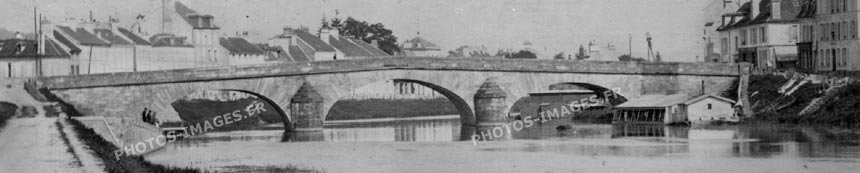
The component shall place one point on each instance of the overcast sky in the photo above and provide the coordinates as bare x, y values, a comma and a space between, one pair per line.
558, 25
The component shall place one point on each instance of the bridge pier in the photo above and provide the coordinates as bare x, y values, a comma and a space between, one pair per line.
306, 108
490, 108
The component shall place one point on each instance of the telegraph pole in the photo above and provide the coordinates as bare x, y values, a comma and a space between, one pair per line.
630, 45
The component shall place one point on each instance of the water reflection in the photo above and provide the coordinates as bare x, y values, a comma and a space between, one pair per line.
765, 141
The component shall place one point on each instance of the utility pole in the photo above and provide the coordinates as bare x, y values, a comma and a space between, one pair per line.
630, 45
650, 51
37, 39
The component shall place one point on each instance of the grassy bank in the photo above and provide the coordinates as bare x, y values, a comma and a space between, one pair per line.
378, 108
104, 150
842, 110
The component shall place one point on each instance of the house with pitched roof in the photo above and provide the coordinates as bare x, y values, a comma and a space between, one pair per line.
675, 108
197, 29
421, 47
764, 33
21, 58
300, 45
241, 52
95, 46
349, 48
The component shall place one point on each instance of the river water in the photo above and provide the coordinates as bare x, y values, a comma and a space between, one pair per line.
435, 144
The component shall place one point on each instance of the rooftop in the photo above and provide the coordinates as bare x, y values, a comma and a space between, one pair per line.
419, 43
237, 45
16, 48
315, 42
655, 101
83, 36
134, 38
188, 14
112, 38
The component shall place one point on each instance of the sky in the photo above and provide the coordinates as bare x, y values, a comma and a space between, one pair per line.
551, 25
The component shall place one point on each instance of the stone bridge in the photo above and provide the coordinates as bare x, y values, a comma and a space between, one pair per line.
482, 89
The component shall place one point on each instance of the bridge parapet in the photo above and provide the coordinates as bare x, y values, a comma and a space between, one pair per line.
391, 63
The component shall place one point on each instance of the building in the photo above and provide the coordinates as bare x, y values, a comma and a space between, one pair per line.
196, 28
806, 52
94, 47
349, 48
675, 108
597, 51
241, 52
301, 45
707, 108
835, 37
762, 32
652, 109
22, 58
421, 47
713, 17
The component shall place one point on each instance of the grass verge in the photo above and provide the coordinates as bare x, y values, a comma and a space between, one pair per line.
69, 148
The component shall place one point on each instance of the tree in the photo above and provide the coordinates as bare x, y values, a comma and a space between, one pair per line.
658, 58
581, 54
523, 54
560, 55
366, 32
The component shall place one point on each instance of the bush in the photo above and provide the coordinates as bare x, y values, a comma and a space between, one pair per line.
7, 111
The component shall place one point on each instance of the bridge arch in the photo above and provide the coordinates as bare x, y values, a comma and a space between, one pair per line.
463, 107
269, 103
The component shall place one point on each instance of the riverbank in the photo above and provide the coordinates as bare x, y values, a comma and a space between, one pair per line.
839, 106
379, 108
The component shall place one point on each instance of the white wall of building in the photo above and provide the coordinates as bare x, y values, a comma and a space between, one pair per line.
56, 66
165, 58
17, 67
700, 111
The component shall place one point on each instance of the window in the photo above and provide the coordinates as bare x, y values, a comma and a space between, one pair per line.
710, 106
753, 36
832, 31
764, 35
844, 57
821, 32
744, 37
820, 62
853, 29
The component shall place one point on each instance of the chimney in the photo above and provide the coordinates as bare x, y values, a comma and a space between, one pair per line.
290, 35
775, 9
324, 35
755, 8
207, 21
